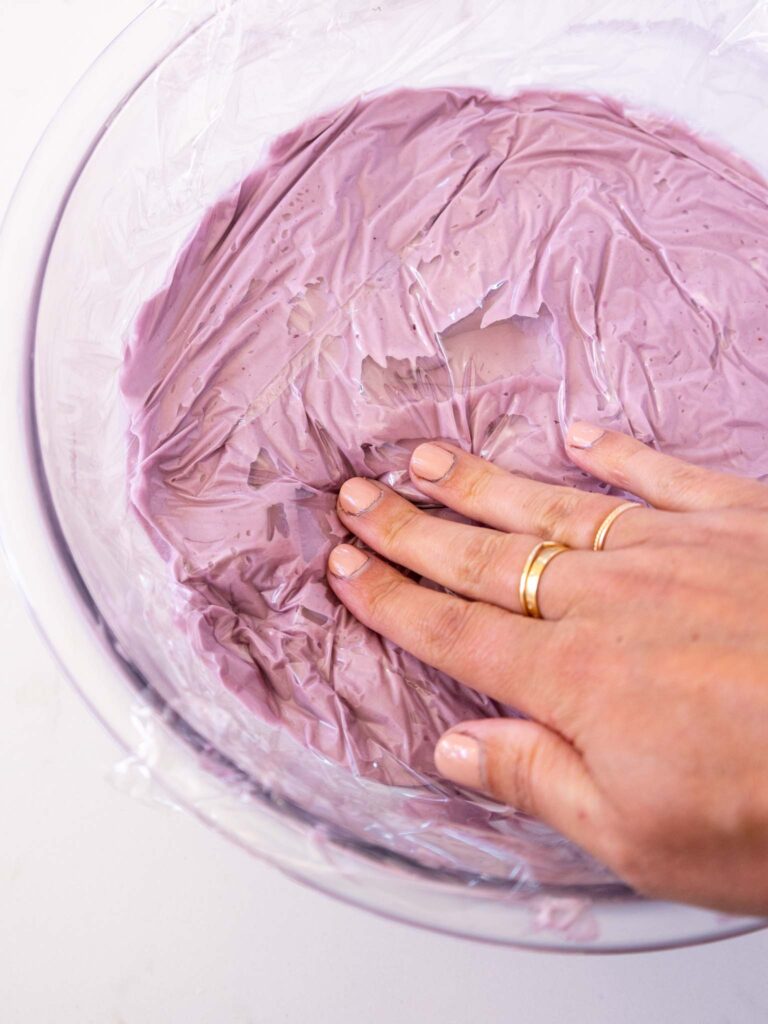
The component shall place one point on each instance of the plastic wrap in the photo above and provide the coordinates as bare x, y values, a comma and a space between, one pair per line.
196, 125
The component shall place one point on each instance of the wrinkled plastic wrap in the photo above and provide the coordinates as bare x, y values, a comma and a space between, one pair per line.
169, 171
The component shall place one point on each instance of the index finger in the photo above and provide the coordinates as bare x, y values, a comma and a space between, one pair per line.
511, 659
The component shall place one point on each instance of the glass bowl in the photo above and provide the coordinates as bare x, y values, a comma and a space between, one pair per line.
179, 109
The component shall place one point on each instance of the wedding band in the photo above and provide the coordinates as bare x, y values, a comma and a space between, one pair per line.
535, 565
610, 519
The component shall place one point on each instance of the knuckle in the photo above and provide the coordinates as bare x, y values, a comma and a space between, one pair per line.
682, 483
446, 629
514, 778
626, 461
482, 554
383, 596
394, 530
472, 484
549, 514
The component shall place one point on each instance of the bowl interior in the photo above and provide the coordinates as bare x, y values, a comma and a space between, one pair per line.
193, 124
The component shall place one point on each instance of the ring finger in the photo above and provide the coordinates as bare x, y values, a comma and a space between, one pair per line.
473, 561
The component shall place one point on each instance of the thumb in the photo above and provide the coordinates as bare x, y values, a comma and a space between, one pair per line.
526, 765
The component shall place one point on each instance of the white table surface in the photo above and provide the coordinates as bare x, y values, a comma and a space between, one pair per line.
115, 911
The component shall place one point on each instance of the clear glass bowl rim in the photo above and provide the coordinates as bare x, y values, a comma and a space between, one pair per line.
69, 621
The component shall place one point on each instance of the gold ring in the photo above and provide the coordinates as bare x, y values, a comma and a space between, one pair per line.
610, 519
534, 568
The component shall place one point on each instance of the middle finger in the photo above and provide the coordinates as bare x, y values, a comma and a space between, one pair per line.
473, 561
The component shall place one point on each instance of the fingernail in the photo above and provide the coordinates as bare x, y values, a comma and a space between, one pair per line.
459, 757
358, 496
431, 462
346, 561
584, 435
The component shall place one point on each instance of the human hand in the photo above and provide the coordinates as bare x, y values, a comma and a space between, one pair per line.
646, 682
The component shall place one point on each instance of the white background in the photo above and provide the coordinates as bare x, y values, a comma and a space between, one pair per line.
114, 911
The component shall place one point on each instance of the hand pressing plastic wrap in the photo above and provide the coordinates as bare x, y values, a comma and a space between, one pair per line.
350, 228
